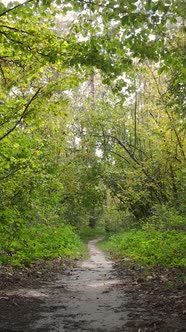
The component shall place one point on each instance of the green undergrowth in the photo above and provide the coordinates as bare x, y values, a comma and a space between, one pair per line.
149, 246
88, 233
44, 242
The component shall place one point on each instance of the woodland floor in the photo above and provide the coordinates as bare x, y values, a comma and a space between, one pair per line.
94, 295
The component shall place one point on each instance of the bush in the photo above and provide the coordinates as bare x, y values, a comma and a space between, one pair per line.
29, 244
165, 218
152, 247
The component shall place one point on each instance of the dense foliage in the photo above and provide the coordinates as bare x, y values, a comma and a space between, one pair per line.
92, 126
159, 242
37, 243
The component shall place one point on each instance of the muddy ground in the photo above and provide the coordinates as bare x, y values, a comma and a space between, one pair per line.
94, 295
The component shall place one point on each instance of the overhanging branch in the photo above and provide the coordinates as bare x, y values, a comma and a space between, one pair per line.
15, 7
22, 115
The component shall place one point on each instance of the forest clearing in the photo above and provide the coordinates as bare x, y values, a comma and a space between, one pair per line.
92, 144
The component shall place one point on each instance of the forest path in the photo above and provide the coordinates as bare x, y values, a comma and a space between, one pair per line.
91, 297
86, 298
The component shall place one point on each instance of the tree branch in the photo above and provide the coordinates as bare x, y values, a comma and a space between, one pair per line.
15, 29
3, 74
122, 157
148, 176
11, 39
89, 2
125, 148
22, 115
15, 7
168, 114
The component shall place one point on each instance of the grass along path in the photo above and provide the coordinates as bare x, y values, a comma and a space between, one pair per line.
92, 296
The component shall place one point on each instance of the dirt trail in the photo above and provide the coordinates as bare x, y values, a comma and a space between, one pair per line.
91, 297
85, 299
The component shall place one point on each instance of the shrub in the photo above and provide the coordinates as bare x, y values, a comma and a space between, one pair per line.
29, 244
152, 247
